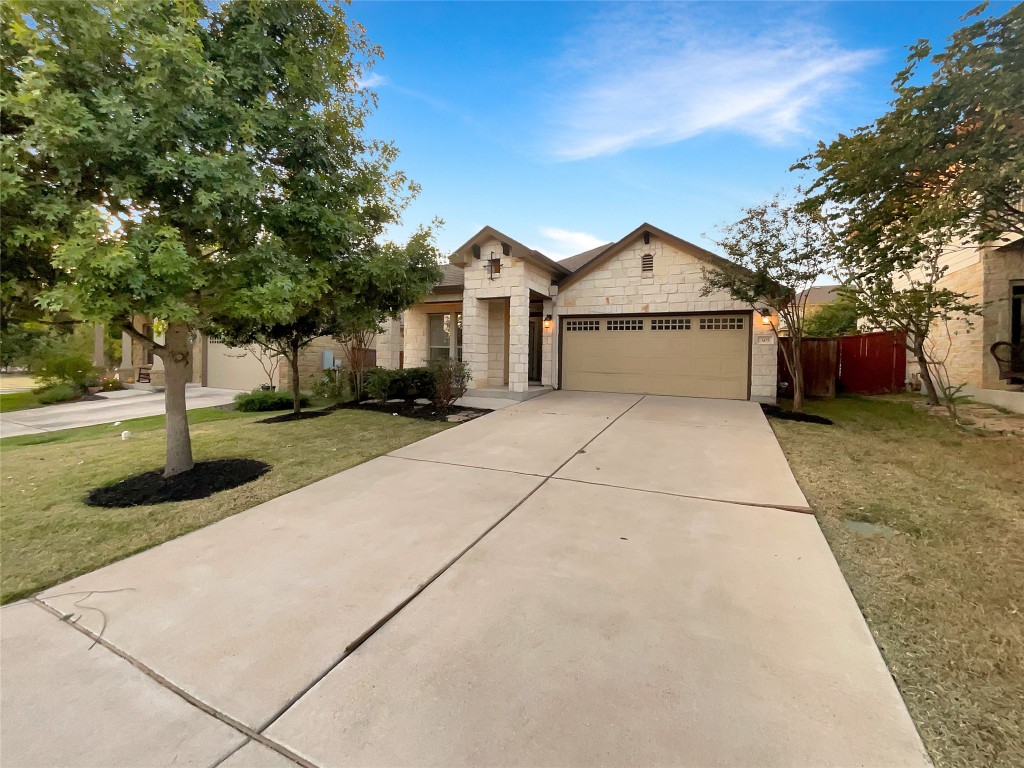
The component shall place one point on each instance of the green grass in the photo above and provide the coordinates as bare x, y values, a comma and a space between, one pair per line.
944, 596
48, 534
18, 401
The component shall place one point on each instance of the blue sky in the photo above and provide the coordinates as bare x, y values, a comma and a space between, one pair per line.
566, 125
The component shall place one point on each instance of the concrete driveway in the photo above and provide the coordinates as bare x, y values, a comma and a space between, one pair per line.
109, 407
578, 579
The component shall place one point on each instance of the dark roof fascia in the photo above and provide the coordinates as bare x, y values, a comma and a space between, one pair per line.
488, 233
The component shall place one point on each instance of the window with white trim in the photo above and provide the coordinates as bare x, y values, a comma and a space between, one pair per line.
632, 324
583, 325
444, 336
721, 323
670, 324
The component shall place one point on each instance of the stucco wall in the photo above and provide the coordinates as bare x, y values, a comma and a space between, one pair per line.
619, 287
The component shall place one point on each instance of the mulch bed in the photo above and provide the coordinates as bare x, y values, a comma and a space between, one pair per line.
204, 479
413, 410
294, 417
781, 413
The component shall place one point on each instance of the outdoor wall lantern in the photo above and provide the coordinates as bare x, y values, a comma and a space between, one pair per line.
766, 315
547, 322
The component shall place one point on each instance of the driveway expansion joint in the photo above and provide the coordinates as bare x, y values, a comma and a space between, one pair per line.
163, 682
383, 621
780, 507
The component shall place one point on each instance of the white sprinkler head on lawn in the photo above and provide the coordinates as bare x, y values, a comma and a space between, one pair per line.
125, 435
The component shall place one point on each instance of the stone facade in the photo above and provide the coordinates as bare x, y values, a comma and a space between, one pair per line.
984, 274
619, 286
496, 309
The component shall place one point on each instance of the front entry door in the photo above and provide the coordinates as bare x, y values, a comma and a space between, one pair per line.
535, 348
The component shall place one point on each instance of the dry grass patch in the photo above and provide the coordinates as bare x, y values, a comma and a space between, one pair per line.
48, 534
939, 570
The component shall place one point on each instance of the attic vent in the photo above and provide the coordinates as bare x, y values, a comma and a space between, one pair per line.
647, 262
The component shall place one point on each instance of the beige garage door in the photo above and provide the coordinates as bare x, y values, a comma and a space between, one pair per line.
689, 355
233, 367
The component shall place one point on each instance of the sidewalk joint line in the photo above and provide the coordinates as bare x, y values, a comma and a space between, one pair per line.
178, 691
467, 466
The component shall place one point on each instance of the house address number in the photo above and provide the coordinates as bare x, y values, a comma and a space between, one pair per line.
765, 340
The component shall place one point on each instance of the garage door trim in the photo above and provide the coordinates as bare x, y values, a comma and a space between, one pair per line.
613, 315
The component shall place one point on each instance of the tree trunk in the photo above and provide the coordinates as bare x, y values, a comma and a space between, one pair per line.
926, 374
176, 356
296, 387
797, 373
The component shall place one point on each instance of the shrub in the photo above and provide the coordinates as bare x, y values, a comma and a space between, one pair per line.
406, 383
110, 384
59, 393
333, 385
76, 370
259, 400
451, 380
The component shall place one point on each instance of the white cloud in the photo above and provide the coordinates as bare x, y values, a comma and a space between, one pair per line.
648, 75
371, 80
563, 242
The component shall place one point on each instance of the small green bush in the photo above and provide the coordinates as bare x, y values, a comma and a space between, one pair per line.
451, 380
259, 400
406, 383
110, 384
59, 393
76, 370
334, 385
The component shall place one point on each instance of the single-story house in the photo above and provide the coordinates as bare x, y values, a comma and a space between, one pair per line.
624, 317
627, 316
993, 276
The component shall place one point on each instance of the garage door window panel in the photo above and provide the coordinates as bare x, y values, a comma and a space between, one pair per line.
670, 324
632, 324
721, 324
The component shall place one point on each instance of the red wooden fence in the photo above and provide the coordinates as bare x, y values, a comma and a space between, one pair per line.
865, 364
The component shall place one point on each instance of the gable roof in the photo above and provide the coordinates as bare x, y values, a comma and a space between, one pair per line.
820, 294
454, 277
516, 248
572, 263
594, 260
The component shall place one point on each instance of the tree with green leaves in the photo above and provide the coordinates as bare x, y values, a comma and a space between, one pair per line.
943, 167
838, 318
777, 252
947, 157
198, 164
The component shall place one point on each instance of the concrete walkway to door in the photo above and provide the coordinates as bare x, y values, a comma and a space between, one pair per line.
579, 579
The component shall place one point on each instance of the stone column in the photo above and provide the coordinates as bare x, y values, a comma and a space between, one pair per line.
475, 324
126, 373
415, 338
389, 344
99, 355
548, 340
519, 342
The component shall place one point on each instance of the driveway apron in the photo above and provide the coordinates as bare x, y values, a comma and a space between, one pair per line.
569, 581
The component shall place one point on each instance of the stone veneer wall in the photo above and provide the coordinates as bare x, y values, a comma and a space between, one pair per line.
960, 341
310, 363
1001, 268
619, 287
517, 278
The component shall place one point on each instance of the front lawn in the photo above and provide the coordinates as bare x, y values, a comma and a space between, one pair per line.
927, 523
18, 401
48, 534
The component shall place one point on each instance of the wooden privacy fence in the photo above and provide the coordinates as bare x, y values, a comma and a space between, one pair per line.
865, 364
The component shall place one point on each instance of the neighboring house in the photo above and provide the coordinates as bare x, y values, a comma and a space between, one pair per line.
992, 276
218, 365
625, 317
819, 296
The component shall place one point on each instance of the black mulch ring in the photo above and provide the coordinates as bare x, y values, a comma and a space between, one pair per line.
293, 417
781, 413
204, 479
413, 410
